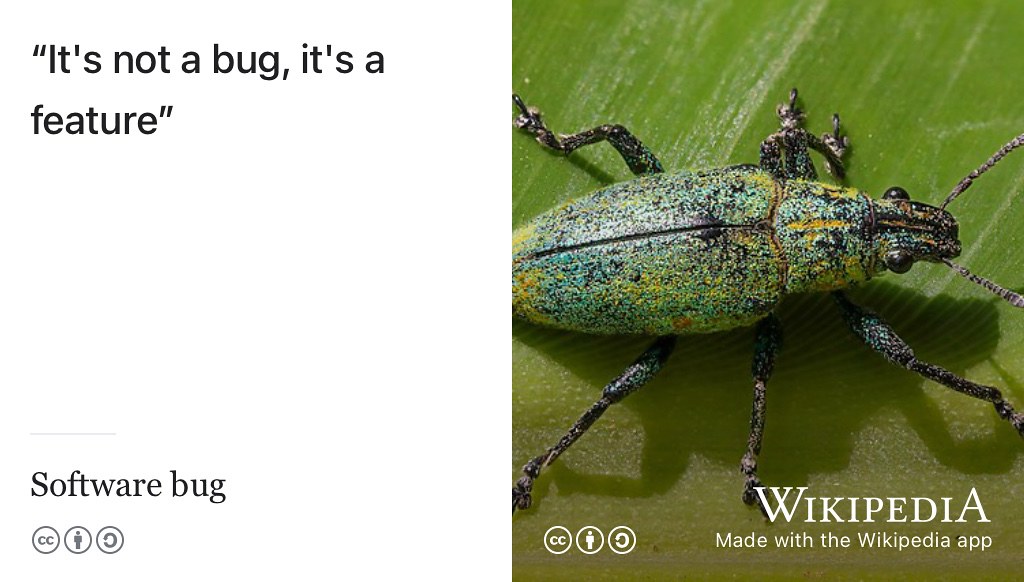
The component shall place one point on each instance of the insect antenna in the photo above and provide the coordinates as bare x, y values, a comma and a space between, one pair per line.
1014, 299
969, 179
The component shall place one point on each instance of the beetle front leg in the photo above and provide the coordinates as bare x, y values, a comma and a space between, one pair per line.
833, 147
786, 153
766, 347
635, 376
771, 156
880, 337
639, 159
792, 155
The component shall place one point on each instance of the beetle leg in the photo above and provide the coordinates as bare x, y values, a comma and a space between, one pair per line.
766, 347
635, 376
639, 159
833, 146
771, 156
786, 153
883, 339
796, 145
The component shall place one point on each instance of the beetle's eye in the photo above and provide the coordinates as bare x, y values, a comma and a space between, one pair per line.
895, 193
899, 261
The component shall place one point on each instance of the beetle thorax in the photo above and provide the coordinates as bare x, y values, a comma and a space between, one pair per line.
823, 232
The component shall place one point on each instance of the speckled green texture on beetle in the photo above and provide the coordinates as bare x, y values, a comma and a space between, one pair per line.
696, 252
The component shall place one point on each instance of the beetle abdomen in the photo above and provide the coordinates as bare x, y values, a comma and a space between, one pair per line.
663, 254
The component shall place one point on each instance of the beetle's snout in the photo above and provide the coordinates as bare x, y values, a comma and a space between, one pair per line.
954, 237
952, 251
947, 230
913, 231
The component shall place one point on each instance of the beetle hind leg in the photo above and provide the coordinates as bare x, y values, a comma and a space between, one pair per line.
766, 347
635, 376
639, 159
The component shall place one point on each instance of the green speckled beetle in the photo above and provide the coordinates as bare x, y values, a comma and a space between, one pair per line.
696, 252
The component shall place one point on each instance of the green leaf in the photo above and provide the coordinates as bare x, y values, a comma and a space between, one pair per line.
927, 92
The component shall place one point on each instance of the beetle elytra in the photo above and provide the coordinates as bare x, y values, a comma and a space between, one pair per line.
694, 252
